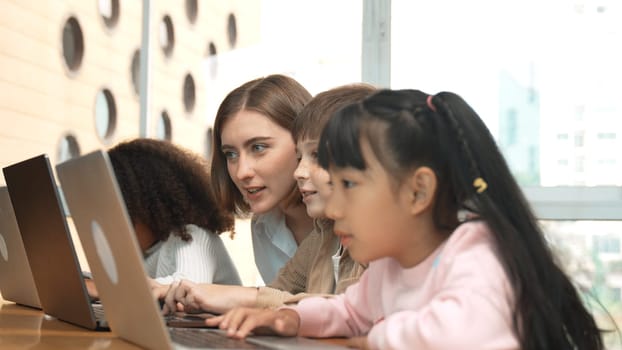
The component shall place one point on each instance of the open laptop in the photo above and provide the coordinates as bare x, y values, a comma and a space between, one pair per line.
16, 283
48, 244
107, 235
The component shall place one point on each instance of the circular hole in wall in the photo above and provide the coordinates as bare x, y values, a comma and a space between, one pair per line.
209, 139
212, 60
163, 128
192, 10
68, 148
135, 71
105, 114
109, 10
189, 93
167, 35
73, 44
232, 30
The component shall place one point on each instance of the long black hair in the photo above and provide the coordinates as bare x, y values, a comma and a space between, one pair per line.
408, 129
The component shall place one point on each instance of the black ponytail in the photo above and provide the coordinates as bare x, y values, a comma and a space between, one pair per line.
548, 312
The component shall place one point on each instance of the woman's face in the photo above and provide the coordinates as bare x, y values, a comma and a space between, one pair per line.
261, 158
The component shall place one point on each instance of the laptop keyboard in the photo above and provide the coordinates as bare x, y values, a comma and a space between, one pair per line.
98, 311
205, 338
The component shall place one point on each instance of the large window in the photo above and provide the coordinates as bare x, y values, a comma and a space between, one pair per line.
545, 75
546, 78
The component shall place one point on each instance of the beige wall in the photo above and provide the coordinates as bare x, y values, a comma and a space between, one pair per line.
188, 56
41, 100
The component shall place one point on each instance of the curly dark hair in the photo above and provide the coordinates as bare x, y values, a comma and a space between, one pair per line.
166, 187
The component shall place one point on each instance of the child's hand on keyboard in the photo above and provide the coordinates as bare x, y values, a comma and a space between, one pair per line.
240, 322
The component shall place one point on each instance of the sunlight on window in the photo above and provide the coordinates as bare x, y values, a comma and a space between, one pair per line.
536, 85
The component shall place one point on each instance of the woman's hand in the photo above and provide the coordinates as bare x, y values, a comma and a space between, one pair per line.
240, 322
187, 296
157, 289
91, 289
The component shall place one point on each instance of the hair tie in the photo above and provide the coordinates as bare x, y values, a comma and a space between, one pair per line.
480, 185
430, 104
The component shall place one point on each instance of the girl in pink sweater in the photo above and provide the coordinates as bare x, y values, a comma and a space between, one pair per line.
456, 257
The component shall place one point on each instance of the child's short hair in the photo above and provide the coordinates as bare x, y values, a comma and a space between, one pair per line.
313, 117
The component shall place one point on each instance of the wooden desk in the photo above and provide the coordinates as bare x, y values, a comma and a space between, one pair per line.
25, 328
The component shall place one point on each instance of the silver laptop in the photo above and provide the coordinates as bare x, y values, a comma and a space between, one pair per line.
47, 242
107, 236
16, 283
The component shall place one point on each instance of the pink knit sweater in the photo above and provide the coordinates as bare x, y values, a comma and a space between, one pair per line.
458, 298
